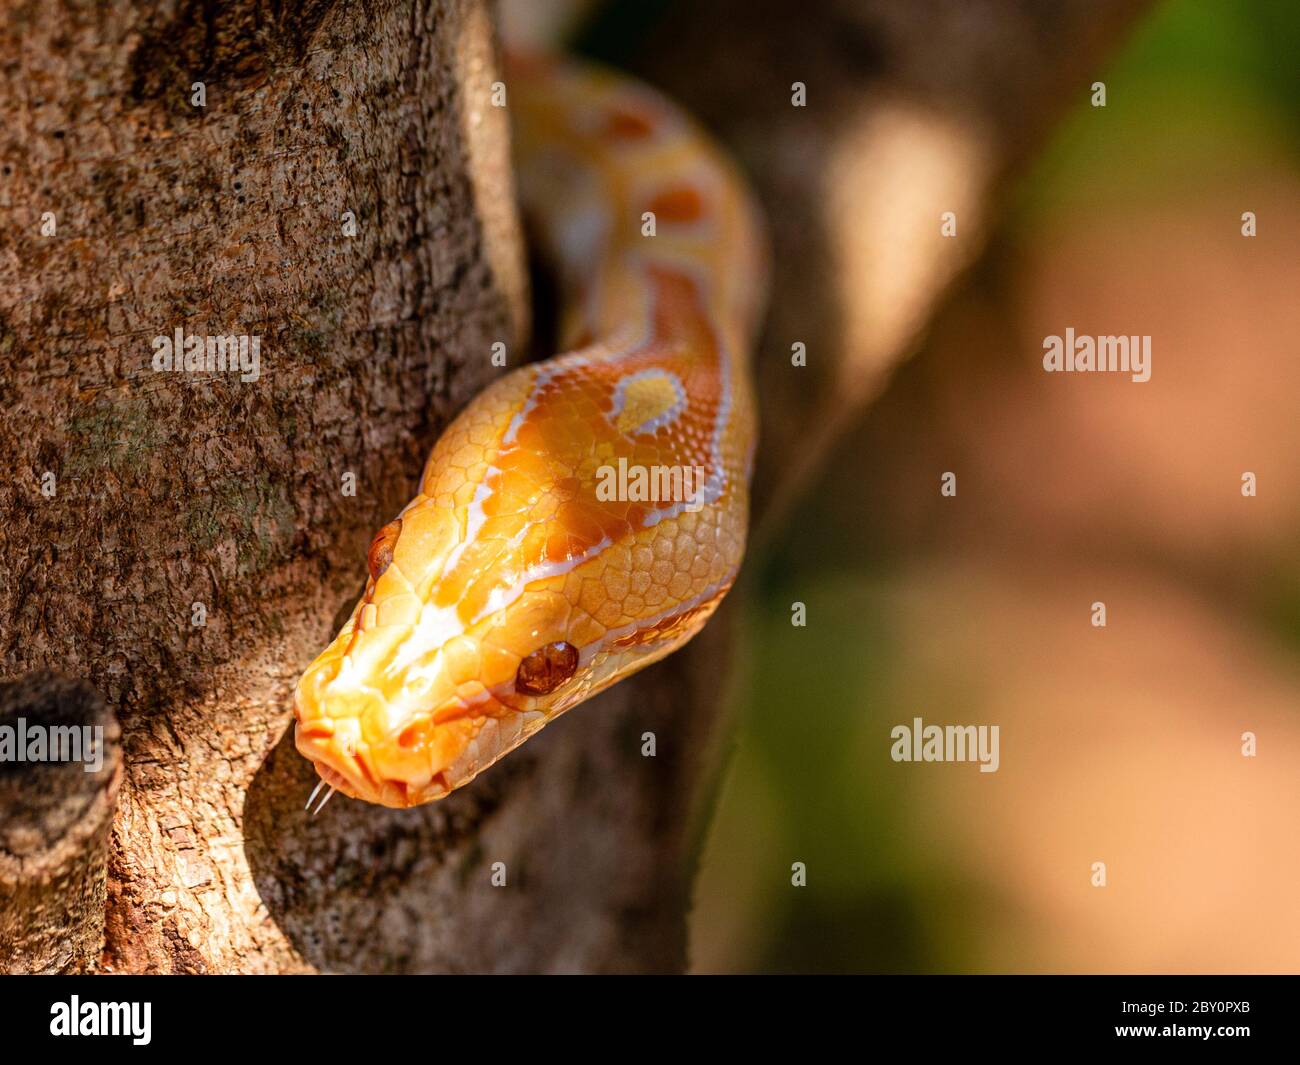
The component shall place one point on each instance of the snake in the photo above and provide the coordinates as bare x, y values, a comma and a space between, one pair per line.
584, 515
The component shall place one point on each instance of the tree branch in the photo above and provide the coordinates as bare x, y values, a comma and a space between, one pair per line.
54, 820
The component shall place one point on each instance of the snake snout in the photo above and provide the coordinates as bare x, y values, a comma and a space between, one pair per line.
403, 763
330, 744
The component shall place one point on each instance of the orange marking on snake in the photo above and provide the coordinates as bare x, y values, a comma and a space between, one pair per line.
513, 587
681, 204
627, 126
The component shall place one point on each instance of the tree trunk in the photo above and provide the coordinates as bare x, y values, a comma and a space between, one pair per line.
185, 541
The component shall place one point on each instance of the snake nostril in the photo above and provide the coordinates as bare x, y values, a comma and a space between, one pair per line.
317, 731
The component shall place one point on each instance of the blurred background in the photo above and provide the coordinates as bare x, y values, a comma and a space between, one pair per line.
1120, 744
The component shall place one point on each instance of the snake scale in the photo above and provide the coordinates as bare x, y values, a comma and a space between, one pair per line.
583, 516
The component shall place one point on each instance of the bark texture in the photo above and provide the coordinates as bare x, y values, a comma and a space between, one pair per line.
187, 541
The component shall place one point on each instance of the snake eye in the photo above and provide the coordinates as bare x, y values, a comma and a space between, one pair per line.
546, 668
381, 548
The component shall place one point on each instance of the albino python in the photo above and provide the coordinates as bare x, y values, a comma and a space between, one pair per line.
583, 516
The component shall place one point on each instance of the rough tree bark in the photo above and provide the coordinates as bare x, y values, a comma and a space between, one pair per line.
175, 489
134, 495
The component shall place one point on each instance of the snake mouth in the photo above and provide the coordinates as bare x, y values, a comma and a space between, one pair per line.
361, 784
326, 746
396, 794
325, 759
343, 769
335, 779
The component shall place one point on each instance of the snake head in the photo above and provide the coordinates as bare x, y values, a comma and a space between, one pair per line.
447, 663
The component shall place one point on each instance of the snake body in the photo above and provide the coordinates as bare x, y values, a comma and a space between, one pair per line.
584, 515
